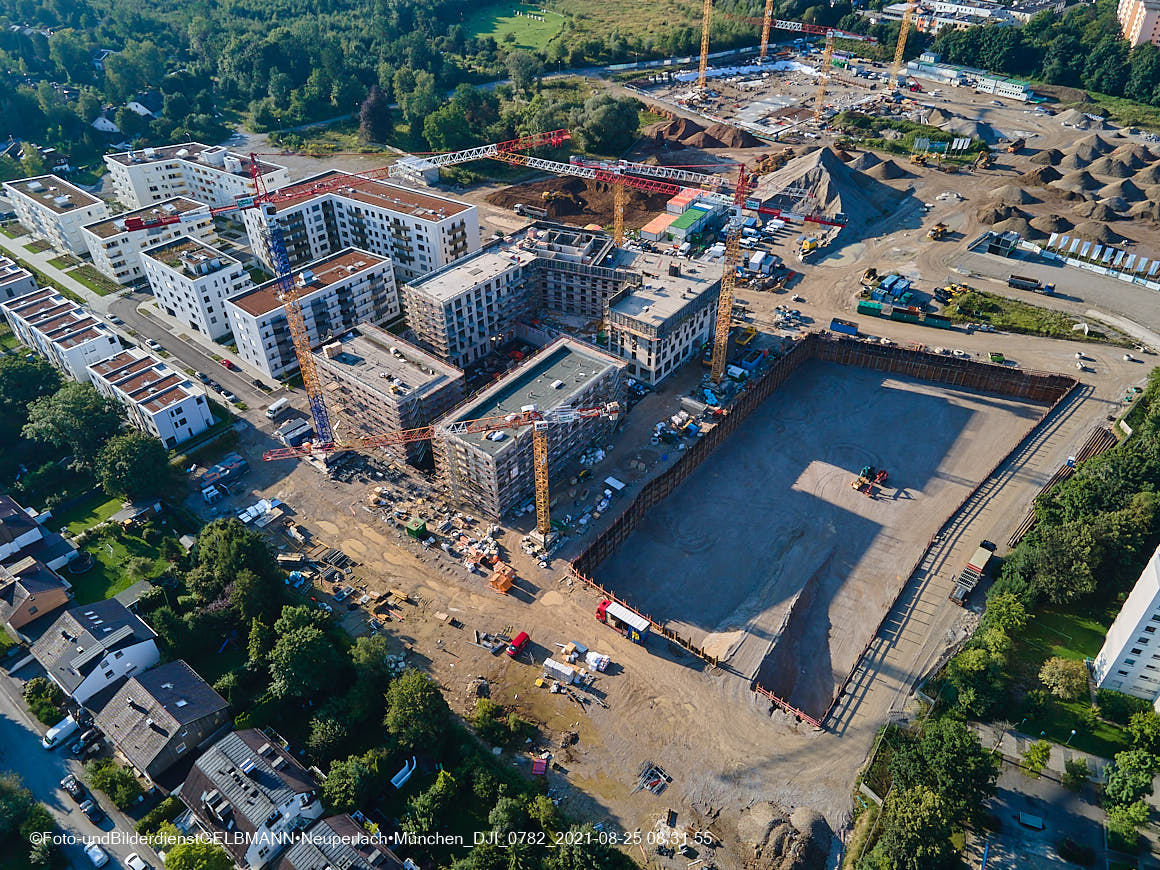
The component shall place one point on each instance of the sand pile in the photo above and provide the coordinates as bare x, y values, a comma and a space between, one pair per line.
1051, 223
703, 140
865, 160
1094, 144
1012, 193
1047, 157
835, 186
1152, 192
1112, 167
1070, 162
973, 129
731, 137
1146, 210
996, 212
937, 117
1148, 176
1080, 181
1096, 232
676, 130
1074, 118
1096, 211
886, 170
1135, 152
1122, 189
843, 155
1017, 224
1041, 177
1116, 203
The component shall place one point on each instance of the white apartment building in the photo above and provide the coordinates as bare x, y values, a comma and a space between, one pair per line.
206, 173
116, 250
1139, 21
419, 232
192, 281
655, 327
336, 293
157, 399
1129, 661
54, 210
61, 331
14, 280
464, 310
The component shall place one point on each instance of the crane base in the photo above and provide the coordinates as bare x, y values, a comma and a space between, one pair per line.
546, 543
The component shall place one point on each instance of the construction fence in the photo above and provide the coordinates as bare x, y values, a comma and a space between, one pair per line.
1046, 387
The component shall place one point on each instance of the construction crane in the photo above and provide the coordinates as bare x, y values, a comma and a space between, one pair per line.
729, 278
529, 415
706, 21
285, 288
903, 32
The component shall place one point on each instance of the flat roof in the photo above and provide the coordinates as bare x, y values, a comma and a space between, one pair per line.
566, 360
184, 250
116, 225
10, 271
659, 223
190, 151
53, 193
687, 218
467, 272
312, 277
367, 358
148, 381
662, 295
382, 194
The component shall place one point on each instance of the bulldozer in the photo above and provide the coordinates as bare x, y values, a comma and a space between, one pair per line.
870, 277
938, 231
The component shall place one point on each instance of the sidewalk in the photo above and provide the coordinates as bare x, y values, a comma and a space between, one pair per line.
1013, 744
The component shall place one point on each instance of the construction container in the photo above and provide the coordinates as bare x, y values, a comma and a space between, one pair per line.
874, 309
845, 327
905, 315
559, 671
417, 528
938, 321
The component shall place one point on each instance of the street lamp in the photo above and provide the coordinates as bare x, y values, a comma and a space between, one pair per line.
1068, 743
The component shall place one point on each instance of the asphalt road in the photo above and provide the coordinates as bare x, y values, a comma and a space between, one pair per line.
42, 771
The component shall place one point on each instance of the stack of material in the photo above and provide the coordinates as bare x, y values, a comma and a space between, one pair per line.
1047, 157
1096, 232
1051, 223
1012, 193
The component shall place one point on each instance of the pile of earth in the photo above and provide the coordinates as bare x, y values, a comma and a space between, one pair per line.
683, 131
775, 840
580, 201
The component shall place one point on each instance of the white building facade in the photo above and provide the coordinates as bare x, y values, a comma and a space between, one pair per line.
55, 211
158, 400
116, 250
1129, 661
61, 331
336, 293
192, 281
14, 280
207, 173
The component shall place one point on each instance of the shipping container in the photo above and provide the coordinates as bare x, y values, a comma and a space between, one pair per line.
938, 321
845, 327
874, 309
905, 316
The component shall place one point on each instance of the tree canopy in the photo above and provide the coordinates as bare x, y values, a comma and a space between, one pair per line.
416, 715
133, 465
76, 418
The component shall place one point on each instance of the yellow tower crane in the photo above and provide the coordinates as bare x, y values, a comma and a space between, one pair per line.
903, 32
706, 21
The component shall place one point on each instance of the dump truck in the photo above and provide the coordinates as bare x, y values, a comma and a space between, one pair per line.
970, 576
845, 327
1019, 282
619, 618
1016, 146
938, 231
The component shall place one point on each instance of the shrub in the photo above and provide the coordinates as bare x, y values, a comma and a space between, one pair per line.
1070, 850
1076, 773
115, 781
166, 811
44, 700
1036, 757
1066, 678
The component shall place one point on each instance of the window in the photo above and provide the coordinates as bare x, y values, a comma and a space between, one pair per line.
119, 654
1129, 661
1137, 651
1149, 629
180, 748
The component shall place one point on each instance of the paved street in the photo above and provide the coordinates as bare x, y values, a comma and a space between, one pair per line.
42, 771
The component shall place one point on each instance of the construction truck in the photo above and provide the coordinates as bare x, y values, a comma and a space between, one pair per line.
938, 231
809, 247
984, 160
918, 159
529, 210
972, 574
1016, 146
1019, 282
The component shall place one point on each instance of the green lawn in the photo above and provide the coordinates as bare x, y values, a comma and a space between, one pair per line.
8, 341
13, 230
97, 508
94, 280
107, 577
38, 246
64, 261
1013, 315
500, 19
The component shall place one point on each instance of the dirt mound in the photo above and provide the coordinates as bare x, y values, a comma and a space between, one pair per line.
1095, 142
1047, 157
843, 155
1112, 167
1051, 223
865, 160
1096, 211
1041, 177
835, 187
972, 129
1146, 210
1074, 118
1122, 189
1096, 232
1116, 203
1080, 181
676, 130
1148, 176
1018, 225
580, 201
938, 117
996, 212
1134, 152
731, 137
703, 140
1012, 193
1070, 162
777, 841
886, 170
1153, 192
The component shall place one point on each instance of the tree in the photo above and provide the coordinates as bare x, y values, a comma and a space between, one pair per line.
917, 831
301, 663
253, 595
44, 699
15, 803
583, 849
299, 616
607, 124
1006, 612
447, 129
1124, 821
24, 379
425, 810
31, 161
347, 785
416, 712
1130, 777
1145, 730
374, 117
327, 736
197, 855
1067, 679
420, 101
1076, 773
260, 641
115, 781
508, 815
226, 547
523, 68
76, 418
949, 758
1036, 757
133, 465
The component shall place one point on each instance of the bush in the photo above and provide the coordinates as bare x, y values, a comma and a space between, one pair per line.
1036, 757
166, 811
44, 699
115, 781
1066, 678
1076, 773
1070, 850
498, 726
1118, 707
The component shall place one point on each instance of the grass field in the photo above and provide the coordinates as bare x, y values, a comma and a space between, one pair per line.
97, 508
1015, 316
13, 230
94, 280
502, 19
38, 246
1127, 112
64, 261
107, 577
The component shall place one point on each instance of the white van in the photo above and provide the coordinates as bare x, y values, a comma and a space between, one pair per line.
59, 733
277, 408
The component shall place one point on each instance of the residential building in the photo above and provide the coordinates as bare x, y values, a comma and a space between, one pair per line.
335, 293
655, 327
1139, 21
462, 311
251, 794
161, 717
492, 471
192, 281
116, 250
576, 271
383, 384
206, 173
54, 210
29, 590
419, 232
936, 15
14, 280
157, 399
93, 646
338, 843
1129, 662
61, 331
23, 535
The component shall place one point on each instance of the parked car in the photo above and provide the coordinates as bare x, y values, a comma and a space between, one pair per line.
153, 344
229, 365
227, 395
74, 789
518, 643
82, 742
97, 855
203, 377
59, 733
93, 811
135, 862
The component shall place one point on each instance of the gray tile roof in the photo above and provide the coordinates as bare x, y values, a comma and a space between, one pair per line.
14, 522
337, 843
23, 579
81, 636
